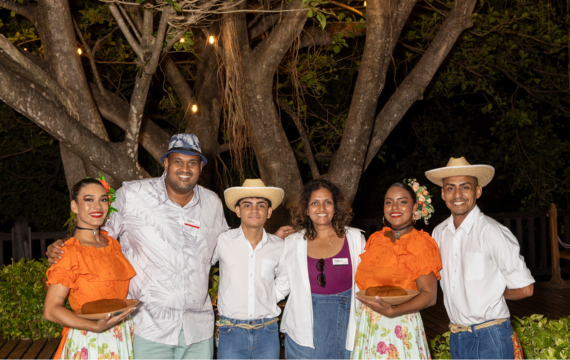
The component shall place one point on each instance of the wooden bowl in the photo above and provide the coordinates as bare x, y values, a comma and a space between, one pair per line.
131, 303
392, 300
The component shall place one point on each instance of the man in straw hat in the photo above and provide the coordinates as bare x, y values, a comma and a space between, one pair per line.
248, 256
481, 266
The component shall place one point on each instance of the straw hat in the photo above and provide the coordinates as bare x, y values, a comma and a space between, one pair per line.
253, 188
460, 167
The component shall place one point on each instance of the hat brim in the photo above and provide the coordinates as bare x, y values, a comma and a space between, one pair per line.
483, 173
234, 194
185, 152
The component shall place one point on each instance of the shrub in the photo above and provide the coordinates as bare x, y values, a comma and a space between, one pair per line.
540, 338
22, 294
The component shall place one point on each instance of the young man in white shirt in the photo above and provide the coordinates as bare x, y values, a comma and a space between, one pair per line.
482, 266
248, 256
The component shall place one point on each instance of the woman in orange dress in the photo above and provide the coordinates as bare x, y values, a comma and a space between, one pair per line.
398, 255
93, 268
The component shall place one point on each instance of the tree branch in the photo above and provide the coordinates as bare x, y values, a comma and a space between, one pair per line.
316, 36
113, 108
142, 84
27, 11
350, 8
263, 25
39, 75
269, 53
91, 55
414, 85
137, 34
19, 95
125, 29
304, 137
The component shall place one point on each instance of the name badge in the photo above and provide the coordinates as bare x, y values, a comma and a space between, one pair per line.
194, 224
340, 261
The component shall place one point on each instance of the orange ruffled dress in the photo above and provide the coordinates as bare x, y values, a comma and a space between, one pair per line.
93, 274
398, 264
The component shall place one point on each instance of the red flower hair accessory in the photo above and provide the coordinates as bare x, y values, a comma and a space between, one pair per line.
110, 193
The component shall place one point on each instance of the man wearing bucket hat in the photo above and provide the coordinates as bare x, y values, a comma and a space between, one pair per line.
248, 256
481, 266
168, 227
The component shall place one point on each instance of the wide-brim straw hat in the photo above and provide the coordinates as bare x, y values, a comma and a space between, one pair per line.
460, 167
253, 188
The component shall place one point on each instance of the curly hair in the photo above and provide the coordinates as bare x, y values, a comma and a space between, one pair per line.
342, 209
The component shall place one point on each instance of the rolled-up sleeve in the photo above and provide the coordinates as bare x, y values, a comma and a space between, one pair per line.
504, 249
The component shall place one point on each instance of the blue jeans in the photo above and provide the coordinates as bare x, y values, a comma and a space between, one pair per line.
239, 343
330, 324
494, 342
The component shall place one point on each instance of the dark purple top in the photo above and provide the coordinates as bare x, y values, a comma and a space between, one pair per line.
338, 277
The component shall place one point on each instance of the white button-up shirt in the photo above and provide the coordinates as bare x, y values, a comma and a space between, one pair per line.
480, 260
247, 276
170, 248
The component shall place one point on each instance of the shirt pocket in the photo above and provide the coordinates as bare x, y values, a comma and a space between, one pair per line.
268, 269
474, 266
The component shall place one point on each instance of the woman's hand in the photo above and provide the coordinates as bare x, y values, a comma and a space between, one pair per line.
379, 305
110, 320
284, 231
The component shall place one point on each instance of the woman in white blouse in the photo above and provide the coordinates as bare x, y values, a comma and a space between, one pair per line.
320, 261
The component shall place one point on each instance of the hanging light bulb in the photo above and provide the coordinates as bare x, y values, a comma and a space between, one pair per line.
25, 49
182, 40
365, 4
211, 39
79, 51
194, 108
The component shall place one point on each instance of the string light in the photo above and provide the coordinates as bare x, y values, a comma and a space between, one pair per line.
182, 40
211, 39
365, 4
79, 51
194, 108
25, 49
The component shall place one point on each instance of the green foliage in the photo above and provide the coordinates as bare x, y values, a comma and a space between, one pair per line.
540, 338
214, 283
22, 295
439, 346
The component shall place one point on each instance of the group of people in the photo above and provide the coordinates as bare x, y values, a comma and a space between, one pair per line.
172, 231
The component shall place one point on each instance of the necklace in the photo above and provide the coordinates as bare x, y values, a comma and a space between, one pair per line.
93, 231
397, 231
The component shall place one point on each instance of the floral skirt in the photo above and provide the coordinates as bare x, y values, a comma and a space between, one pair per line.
113, 343
380, 337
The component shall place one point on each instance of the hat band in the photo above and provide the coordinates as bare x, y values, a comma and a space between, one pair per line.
175, 149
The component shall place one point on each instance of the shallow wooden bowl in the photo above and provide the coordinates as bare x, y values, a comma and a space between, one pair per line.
131, 303
392, 300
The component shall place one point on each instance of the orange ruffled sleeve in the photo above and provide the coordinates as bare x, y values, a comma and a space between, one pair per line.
66, 270
427, 255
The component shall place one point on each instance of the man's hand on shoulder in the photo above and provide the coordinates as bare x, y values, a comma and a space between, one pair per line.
54, 251
284, 231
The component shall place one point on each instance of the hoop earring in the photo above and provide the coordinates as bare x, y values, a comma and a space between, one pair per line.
384, 220
413, 220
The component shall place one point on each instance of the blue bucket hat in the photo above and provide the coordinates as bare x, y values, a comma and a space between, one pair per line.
186, 144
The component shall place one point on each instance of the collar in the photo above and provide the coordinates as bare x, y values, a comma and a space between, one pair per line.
163, 194
239, 232
467, 224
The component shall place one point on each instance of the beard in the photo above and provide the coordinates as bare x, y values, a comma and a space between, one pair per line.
179, 188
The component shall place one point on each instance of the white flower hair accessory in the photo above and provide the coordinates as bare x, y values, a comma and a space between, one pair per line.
423, 198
